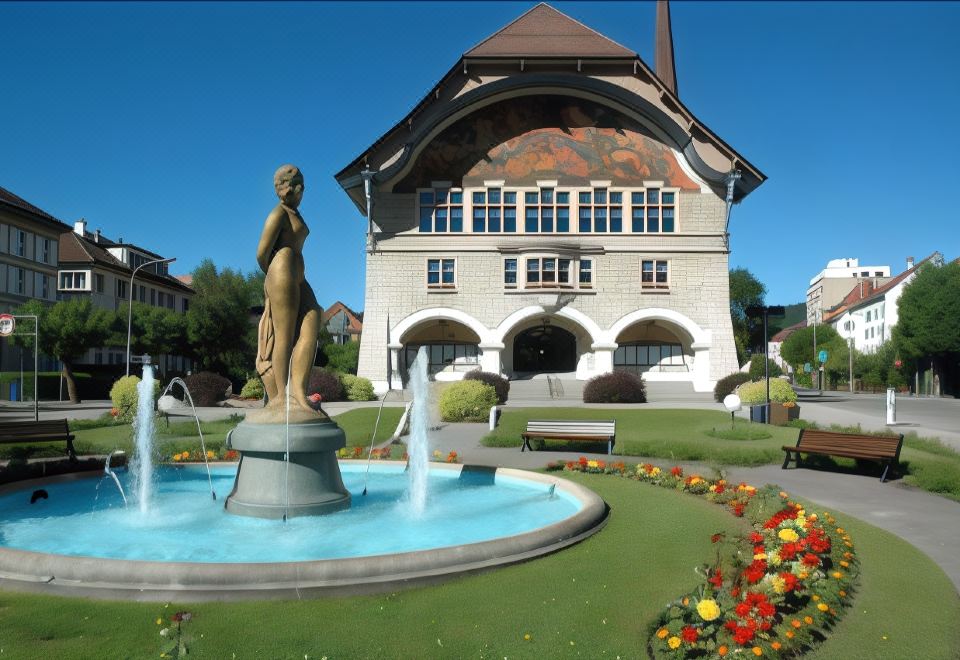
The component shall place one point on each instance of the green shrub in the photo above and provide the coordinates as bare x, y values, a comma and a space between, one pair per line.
752, 394
252, 389
467, 401
207, 388
343, 357
615, 387
726, 385
357, 388
498, 382
123, 394
756, 368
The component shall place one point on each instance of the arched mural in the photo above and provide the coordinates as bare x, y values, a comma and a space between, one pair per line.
524, 139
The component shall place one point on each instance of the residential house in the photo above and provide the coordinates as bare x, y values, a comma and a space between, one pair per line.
342, 323
829, 287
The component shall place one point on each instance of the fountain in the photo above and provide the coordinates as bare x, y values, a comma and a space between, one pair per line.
178, 545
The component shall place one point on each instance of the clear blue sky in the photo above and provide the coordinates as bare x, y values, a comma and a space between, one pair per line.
162, 123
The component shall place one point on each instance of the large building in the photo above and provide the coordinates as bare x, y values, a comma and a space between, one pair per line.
830, 286
550, 206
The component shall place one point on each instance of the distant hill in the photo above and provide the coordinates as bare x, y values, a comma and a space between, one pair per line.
793, 314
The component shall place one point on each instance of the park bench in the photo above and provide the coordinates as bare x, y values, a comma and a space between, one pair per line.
574, 430
49, 430
883, 448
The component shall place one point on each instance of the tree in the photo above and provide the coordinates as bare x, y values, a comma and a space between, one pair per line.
66, 331
343, 357
798, 350
878, 370
745, 291
153, 330
929, 319
219, 327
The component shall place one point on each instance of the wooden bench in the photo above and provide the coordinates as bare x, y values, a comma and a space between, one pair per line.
883, 448
49, 430
574, 430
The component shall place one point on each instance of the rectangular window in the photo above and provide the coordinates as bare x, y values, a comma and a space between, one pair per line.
440, 210
456, 219
98, 282
584, 220
586, 273
19, 246
153, 296
653, 220
638, 223
533, 272
530, 225
654, 274
44, 286
546, 220
599, 220
510, 219
493, 219
73, 280
653, 211
121, 289
441, 273
185, 305
563, 272
616, 219
42, 250
563, 218
510, 273
479, 219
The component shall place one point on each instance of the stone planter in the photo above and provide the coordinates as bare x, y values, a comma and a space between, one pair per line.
780, 415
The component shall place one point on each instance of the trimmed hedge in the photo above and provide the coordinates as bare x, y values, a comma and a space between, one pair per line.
752, 394
467, 401
726, 385
207, 388
325, 383
615, 387
756, 368
252, 389
496, 381
124, 397
357, 388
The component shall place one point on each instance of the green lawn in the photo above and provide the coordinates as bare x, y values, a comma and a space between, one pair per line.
593, 600
699, 435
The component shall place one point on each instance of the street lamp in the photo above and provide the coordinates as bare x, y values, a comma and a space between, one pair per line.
130, 294
765, 311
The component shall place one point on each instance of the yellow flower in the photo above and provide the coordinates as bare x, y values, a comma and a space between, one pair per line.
808, 620
527, 637
760, 555
757, 651
823, 607
685, 601
592, 464
210, 454
840, 530
788, 535
815, 598
845, 564
778, 584
655, 471
673, 642
662, 633
708, 609
159, 621
837, 574
803, 575
842, 593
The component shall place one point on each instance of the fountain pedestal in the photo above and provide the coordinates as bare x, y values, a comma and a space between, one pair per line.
269, 487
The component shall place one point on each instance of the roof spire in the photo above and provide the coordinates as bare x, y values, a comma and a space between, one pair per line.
663, 47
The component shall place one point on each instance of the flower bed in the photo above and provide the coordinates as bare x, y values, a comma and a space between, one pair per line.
778, 592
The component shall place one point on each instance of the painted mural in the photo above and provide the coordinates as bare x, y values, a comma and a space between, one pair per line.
545, 137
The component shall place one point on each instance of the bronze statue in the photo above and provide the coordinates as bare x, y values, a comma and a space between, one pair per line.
287, 336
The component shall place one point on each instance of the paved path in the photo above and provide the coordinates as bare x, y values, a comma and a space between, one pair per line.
929, 522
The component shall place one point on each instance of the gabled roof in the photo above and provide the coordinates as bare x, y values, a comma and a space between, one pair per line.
781, 336
865, 293
354, 320
75, 249
9, 199
545, 32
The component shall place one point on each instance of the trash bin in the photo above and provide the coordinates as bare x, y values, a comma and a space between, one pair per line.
14, 390
759, 413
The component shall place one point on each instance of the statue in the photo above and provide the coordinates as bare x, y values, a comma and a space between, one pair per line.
287, 335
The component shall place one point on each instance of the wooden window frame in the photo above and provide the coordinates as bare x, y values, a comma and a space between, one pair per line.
440, 285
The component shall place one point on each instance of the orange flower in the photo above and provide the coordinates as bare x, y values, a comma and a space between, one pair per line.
722, 650
808, 620
775, 646
796, 623
842, 593
662, 633
790, 634
757, 651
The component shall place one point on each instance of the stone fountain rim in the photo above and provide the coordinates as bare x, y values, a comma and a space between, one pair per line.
140, 580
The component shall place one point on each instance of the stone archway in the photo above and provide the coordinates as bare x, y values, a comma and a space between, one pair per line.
545, 349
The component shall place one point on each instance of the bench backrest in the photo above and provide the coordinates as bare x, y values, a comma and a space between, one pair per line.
886, 446
26, 429
573, 426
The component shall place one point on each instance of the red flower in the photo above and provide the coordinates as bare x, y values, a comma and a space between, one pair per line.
689, 634
582, 461
720, 488
716, 538
811, 560
743, 635
738, 509
755, 571
788, 551
677, 471
791, 582
756, 537
716, 579
315, 397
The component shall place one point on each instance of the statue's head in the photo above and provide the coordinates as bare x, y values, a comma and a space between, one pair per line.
288, 182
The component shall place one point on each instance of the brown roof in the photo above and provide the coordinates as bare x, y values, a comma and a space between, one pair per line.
865, 291
355, 325
786, 332
77, 250
7, 198
545, 32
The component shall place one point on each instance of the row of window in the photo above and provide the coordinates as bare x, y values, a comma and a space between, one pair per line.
547, 211
17, 242
18, 279
76, 280
547, 272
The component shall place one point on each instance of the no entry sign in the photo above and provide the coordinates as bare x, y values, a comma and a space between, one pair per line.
7, 324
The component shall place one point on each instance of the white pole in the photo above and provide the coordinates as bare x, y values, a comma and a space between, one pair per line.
130, 299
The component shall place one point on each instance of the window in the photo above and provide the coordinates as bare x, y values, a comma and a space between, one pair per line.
44, 286
441, 273
868, 316
41, 250
586, 273
185, 305
121, 289
153, 296
494, 211
18, 242
653, 211
548, 273
171, 301
546, 211
441, 210
654, 274
98, 282
878, 273
73, 280
161, 296
15, 280
649, 356
510, 273
601, 211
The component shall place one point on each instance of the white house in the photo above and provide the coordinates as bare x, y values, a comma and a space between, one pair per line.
550, 206
830, 286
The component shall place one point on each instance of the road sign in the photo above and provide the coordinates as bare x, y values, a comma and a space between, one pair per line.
822, 356
7, 324
807, 368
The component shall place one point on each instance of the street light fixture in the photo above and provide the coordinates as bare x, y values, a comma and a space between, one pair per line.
766, 311
130, 294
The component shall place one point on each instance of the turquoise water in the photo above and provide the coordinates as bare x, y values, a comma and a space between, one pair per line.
87, 518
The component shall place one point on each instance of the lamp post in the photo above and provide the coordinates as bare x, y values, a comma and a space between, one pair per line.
765, 311
130, 305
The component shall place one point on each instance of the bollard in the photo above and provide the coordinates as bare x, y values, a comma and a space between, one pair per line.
493, 418
891, 406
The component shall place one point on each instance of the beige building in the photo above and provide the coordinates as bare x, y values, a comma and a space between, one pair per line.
29, 249
551, 206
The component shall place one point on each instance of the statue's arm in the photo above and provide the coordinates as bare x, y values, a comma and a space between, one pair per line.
271, 230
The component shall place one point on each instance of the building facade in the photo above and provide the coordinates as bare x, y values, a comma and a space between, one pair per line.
95, 267
830, 286
550, 206
343, 324
29, 250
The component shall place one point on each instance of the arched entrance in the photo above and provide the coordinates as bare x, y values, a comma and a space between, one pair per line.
452, 348
545, 348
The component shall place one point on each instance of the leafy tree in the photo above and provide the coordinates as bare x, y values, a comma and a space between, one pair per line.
66, 331
757, 372
877, 370
223, 337
798, 349
255, 281
153, 330
343, 357
745, 291
929, 318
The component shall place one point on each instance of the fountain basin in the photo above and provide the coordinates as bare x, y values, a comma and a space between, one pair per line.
451, 547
